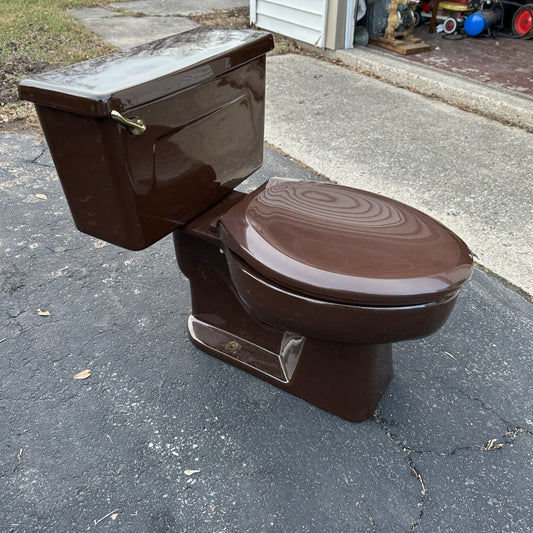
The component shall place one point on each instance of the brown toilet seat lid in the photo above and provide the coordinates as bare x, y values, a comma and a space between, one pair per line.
345, 245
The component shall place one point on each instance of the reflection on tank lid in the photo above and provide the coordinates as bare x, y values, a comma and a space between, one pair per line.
194, 56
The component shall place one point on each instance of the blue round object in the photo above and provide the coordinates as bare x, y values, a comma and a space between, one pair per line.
474, 24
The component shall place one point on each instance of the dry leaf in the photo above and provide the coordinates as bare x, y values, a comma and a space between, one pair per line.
191, 472
491, 445
42, 196
96, 522
43, 313
84, 374
99, 244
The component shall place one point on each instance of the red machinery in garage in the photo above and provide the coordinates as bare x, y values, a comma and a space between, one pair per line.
522, 23
500, 14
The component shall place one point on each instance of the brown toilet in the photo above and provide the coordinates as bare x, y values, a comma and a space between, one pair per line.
304, 284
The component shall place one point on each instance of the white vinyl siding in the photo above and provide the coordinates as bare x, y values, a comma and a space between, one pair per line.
303, 20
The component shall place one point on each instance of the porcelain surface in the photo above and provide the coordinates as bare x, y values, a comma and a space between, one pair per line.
346, 245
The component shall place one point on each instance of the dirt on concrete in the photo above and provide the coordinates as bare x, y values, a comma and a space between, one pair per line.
239, 18
17, 116
12, 71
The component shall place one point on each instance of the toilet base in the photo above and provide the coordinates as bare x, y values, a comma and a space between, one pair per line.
345, 379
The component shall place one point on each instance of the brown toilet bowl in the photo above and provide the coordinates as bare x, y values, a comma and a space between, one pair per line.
260, 306
285, 310
341, 264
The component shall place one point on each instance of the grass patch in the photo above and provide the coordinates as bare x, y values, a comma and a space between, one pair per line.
42, 30
37, 35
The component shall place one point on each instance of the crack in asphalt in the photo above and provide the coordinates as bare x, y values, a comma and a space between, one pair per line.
407, 452
34, 160
370, 517
485, 406
508, 438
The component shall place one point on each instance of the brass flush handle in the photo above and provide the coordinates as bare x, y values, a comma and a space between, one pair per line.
135, 126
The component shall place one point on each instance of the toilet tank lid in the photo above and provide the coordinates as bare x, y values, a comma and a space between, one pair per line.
145, 73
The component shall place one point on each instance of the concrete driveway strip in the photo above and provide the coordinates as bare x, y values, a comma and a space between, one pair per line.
125, 31
504, 105
471, 173
164, 438
120, 24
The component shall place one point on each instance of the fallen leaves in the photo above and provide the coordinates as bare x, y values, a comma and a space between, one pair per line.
491, 445
84, 374
41, 196
11, 112
99, 244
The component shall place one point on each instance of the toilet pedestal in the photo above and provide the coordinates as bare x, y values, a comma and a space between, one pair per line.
345, 379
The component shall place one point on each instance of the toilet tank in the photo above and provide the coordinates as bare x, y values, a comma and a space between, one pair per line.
146, 139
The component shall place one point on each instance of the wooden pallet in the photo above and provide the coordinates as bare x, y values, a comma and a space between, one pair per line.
406, 45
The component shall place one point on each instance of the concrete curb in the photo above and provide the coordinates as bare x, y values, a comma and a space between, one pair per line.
497, 104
